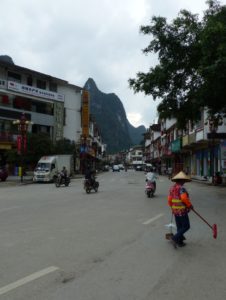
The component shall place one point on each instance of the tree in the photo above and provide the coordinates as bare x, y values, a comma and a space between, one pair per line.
183, 79
64, 146
213, 62
38, 144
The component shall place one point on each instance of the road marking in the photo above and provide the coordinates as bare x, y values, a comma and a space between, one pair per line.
20, 282
153, 219
9, 208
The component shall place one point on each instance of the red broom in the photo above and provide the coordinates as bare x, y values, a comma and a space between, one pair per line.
214, 227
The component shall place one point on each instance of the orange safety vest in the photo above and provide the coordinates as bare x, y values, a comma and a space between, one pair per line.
178, 199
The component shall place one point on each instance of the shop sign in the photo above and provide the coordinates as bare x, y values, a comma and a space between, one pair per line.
31, 90
185, 140
176, 145
192, 139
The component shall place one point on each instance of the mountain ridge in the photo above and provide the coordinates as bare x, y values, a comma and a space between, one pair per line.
110, 116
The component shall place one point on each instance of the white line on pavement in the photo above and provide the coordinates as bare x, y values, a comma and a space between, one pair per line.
153, 219
20, 282
9, 208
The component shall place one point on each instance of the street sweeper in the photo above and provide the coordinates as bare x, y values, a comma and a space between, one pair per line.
179, 201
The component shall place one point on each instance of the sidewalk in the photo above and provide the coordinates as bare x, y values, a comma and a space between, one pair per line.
28, 179
16, 180
201, 181
205, 181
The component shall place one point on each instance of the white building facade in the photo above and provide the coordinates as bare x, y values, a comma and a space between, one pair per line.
51, 104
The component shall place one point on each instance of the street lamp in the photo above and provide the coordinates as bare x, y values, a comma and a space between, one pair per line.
22, 125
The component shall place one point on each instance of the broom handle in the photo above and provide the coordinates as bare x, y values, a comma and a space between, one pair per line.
171, 229
201, 218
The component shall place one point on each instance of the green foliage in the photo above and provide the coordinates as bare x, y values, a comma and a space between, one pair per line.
64, 146
12, 157
213, 63
38, 145
192, 64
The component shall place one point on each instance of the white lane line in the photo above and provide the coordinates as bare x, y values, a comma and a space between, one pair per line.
153, 219
22, 281
8, 208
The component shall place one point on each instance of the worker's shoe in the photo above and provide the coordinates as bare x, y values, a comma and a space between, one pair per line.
173, 243
181, 244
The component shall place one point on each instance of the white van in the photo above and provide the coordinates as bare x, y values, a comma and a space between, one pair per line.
48, 167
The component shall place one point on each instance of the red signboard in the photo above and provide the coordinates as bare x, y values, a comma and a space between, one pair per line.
19, 142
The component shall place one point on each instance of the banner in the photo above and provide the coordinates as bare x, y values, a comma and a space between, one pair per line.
24, 144
19, 142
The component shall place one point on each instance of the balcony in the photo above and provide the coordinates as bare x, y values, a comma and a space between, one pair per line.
189, 141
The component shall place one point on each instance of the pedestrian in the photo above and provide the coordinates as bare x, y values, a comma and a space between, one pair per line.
179, 201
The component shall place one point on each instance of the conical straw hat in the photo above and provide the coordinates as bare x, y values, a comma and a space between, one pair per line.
181, 176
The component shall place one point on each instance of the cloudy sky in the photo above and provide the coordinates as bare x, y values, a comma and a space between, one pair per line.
78, 39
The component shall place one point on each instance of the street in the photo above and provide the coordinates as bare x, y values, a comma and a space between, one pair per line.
61, 243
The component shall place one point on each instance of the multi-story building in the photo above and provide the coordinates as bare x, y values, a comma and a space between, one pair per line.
199, 150
136, 158
50, 104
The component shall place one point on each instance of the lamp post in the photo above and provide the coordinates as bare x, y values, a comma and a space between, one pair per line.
22, 125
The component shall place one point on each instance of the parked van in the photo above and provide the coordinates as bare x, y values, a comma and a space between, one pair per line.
48, 167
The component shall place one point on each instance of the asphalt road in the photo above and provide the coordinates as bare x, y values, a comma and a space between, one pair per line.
60, 243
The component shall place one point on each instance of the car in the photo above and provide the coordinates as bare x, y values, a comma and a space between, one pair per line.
3, 174
105, 168
115, 168
139, 168
121, 167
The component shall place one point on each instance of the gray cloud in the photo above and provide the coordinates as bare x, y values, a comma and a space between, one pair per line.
75, 40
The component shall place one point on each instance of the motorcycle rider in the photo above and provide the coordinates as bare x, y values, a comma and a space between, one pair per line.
151, 176
63, 174
90, 175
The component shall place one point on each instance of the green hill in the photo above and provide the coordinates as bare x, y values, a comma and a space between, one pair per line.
111, 119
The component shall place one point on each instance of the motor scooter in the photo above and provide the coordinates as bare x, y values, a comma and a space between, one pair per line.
90, 185
61, 180
149, 189
217, 178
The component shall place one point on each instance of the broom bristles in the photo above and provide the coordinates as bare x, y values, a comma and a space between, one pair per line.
214, 231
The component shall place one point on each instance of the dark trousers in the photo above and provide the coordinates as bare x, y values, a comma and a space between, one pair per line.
183, 225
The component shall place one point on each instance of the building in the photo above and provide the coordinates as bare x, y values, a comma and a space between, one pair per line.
199, 150
52, 105
136, 157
